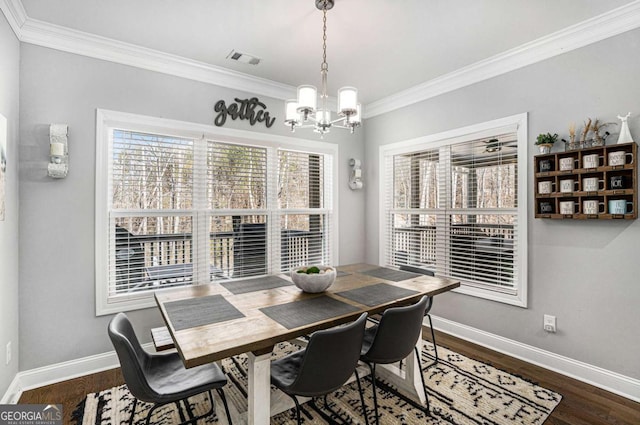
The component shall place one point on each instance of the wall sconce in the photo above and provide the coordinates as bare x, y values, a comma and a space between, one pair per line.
58, 151
355, 179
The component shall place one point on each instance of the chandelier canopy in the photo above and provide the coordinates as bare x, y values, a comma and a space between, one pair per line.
303, 112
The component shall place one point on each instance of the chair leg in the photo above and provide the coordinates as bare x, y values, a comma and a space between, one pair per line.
224, 402
155, 406
331, 411
372, 367
298, 414
424, 385
433, 340
364, 406
133, 410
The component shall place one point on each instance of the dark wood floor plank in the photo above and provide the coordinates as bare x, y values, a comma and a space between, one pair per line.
582, 404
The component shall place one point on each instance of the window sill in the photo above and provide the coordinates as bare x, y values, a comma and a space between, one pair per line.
513, 299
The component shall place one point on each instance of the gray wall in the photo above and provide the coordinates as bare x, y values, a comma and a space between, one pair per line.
9, 81
57, 307
584, 272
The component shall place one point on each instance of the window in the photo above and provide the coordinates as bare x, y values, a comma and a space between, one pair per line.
181, 204
455, 204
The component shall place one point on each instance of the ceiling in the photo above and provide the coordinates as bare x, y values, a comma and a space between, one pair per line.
379, 46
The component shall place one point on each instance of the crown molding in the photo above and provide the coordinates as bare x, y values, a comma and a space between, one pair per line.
15, 14
608, 24
57, 37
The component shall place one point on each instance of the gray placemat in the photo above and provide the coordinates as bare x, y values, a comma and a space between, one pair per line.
391, 274
377, 294
300, 313
340, 273
185, 314
251, 285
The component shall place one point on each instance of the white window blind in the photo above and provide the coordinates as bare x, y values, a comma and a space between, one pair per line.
305, 219
176, 208
150, 211
452, 208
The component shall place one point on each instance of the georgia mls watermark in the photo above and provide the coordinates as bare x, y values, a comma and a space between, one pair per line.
30, 414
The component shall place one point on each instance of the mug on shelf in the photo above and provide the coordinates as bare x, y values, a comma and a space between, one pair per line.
591, 206
546, 208
568, 185
592, 184
567, 164
592, 160
620, 206
545, 165
620, 158
546, 187
568, 207
617, 182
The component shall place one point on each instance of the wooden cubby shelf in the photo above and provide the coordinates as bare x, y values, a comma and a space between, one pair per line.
567, 187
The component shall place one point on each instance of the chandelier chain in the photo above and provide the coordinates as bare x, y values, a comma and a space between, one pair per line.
324, 34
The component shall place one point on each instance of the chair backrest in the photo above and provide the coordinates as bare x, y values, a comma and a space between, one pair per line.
133, 358
330, 359
250, 250
397, 333
425, 272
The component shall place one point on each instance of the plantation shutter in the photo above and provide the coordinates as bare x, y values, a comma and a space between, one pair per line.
452, 210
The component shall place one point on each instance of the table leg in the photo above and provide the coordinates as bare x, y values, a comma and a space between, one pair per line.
259, 389
407, 380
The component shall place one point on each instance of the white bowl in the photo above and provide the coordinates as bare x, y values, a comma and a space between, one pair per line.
315, 282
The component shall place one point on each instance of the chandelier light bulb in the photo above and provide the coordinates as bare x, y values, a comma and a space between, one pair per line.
355, 118
291, 111
347, 100
323, 117
307, 99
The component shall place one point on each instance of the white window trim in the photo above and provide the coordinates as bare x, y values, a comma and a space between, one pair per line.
515, 123
106, 120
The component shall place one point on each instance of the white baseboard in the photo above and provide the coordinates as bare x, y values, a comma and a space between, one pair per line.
64, 371
614, 382
611, 381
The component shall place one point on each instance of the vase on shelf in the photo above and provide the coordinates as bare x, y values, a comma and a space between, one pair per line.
546, 148
625, 134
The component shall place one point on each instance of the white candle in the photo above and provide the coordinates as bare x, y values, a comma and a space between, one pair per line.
57, 149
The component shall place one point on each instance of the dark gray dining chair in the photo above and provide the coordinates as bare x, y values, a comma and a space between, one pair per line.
162, 378
330, 358
426, 272
392, 340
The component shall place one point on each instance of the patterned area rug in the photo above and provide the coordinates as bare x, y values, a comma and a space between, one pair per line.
461, 391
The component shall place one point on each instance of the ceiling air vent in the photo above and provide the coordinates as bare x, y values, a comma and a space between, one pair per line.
243, 57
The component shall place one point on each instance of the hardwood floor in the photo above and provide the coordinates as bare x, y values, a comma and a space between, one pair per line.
581, 404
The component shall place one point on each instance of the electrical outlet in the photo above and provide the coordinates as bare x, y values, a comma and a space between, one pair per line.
550, 323
8, 352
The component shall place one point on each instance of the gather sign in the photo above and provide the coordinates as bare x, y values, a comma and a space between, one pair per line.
244, 109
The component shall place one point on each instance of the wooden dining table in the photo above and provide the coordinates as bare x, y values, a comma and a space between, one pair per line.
214, 321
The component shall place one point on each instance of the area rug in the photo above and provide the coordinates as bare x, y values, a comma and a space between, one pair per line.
461, 391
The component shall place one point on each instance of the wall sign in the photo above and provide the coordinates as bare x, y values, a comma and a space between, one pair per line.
244, 109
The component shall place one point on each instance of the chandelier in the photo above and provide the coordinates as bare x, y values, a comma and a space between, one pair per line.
303, 112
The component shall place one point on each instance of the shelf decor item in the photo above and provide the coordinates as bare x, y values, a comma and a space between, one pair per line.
599, 139
546, 141
313, 279
573, 145
625, 134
